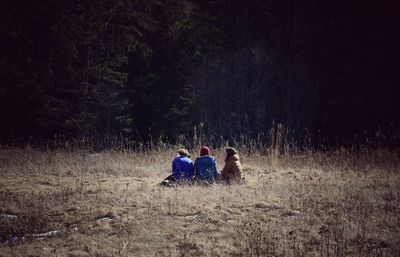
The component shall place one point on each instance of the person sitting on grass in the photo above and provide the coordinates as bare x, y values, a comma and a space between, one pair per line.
205, 167
182, 169
232, 171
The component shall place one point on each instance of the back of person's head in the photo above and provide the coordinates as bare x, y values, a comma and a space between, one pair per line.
205, 151
183, 152
230, 151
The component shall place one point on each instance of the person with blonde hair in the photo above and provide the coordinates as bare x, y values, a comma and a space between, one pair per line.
182, 169
182, 166
232, 171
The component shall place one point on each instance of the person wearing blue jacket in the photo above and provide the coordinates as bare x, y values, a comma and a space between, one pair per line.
205, 167
182, 169
182, 166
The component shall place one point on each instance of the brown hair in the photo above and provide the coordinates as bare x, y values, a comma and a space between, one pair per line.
230, 151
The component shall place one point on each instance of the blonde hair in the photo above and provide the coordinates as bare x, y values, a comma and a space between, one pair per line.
184, 152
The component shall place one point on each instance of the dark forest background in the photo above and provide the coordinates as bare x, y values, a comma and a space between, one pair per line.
327, 70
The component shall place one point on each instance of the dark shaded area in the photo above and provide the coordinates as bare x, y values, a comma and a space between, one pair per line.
326, 70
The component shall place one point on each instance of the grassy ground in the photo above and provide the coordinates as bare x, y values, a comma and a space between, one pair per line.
110, 204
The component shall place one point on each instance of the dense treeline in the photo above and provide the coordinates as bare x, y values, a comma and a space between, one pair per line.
326, 70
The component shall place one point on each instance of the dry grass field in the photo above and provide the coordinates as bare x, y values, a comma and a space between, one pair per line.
78, 203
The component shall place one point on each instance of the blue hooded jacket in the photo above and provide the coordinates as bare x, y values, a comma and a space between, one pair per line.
206, 169
182, 168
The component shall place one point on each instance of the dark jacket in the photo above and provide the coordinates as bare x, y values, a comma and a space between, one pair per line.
205, 169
